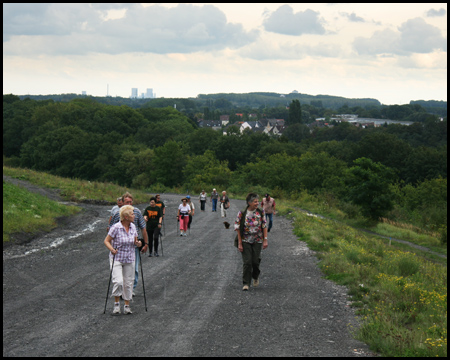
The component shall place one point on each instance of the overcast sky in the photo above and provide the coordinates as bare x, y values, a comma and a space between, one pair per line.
391, 52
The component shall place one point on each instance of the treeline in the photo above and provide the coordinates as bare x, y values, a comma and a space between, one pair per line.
270, 105
392, 171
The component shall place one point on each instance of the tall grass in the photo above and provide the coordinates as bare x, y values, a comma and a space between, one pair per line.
401, 297
75, 189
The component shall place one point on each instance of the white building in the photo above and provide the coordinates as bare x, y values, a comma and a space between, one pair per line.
134, 93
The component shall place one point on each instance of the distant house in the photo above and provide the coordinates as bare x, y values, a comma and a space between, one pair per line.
225, 119
214, 124
276, 130
252, 125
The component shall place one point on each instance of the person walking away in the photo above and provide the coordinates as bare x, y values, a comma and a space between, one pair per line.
115, 209
202, 200
224, 204
153, 217
191, 204
268, 205
183, 216
139, 222
252, 238
214, 197
121, 241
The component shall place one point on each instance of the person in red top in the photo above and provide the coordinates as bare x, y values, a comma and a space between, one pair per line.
268, 205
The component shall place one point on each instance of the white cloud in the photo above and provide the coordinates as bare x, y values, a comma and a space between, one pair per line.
181, 29
433, 12
272, 50
419, 37
413, 36
353, 17
284, 21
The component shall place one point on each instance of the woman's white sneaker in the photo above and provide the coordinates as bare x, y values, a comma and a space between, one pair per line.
116, 308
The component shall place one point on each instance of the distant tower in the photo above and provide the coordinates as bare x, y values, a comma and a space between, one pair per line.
134, 93
149, 94
83, 93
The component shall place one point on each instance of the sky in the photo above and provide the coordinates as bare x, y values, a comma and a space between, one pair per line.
390, 52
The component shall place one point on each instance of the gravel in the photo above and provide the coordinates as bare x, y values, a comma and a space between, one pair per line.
54, 290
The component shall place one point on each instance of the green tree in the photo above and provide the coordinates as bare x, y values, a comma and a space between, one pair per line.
297, 132
206, 171
295, 112
169, 162
275, 171
321, 171
368, 185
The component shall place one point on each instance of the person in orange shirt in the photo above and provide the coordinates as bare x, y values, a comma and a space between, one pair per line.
153, 217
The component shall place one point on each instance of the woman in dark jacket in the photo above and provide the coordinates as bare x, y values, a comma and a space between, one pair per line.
252, 238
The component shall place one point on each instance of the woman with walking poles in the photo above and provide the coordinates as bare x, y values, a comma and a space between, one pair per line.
251, 230
184, 210
121, 241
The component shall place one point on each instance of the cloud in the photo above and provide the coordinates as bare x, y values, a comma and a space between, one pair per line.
263, 50
82, 28
419, 37
413, 36
433, 12
284, 21
353, 17
46, 19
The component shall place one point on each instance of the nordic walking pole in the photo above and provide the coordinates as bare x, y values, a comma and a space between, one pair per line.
109, 282
143, 287
164, 226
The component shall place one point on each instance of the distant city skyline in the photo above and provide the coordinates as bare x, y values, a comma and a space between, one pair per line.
394, 53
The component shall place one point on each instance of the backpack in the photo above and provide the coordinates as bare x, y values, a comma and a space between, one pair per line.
241, 225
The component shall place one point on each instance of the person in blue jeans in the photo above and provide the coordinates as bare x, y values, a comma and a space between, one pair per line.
268, 203
214, 197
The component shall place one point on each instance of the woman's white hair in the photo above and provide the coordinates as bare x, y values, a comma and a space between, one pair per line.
125, 210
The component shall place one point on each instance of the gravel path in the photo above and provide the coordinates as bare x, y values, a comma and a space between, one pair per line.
54, 290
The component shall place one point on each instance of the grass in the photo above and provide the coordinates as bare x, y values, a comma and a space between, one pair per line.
401, 297
400, 293
411, 234
75, 189
24, 211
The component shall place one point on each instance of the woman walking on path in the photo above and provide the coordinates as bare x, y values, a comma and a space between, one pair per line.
252, 238
202, 199
183, 216
121, 241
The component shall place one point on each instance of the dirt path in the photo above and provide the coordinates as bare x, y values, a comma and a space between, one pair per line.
54, 295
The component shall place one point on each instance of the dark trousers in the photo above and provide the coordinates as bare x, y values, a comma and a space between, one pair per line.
202, 205
251, 257
153, 239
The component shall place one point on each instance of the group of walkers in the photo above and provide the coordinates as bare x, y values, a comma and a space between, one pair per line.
131, 233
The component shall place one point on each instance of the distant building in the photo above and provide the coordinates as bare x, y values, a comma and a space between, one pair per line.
134, 93
225, 119
83, 93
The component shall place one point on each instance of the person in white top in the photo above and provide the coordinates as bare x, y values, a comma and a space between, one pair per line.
184, 210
